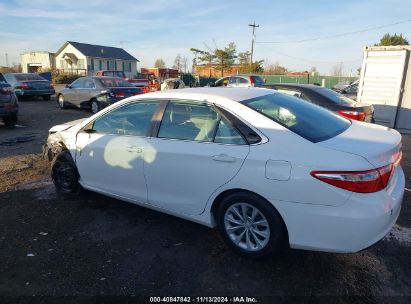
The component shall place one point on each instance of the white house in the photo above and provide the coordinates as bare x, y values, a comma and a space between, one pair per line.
37, 61
87, 59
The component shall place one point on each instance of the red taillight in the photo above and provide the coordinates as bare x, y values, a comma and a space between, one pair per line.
119, 94
353, 114
137, 93
251, 81
51, 86
22, 85
357, 181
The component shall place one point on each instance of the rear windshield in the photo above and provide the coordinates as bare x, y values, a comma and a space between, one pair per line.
114, 73
306, 119
258, 80
115, 82
28, 77
334, 96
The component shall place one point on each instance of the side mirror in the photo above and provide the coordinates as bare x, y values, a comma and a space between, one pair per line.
211, 84
89, 131
68, 86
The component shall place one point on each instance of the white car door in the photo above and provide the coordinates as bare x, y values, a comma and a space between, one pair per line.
197, 151
110, 153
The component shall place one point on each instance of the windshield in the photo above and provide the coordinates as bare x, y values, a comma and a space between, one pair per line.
334, 96
303, 118
28, 77
115, 82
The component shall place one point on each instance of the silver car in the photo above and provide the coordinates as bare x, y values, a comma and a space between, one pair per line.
96, 93
240, 81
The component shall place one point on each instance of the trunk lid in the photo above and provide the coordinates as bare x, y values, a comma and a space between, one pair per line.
377, 144
120, 93
37, 84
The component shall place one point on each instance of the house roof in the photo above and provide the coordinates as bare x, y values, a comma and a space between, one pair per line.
100, 51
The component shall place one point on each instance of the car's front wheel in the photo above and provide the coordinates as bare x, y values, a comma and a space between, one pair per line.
250, 225
64, 173
61, 101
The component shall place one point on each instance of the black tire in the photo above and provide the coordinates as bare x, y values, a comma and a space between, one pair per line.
276, 226
11, 120
46, 97
64, 173
61, 101
94, 106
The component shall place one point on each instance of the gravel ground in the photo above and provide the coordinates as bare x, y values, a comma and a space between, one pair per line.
97, 246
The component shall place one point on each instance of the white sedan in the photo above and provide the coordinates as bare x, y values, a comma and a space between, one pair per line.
267, 169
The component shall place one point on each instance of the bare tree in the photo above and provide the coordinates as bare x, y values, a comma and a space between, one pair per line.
184, 62
177, 63
276, 69
338, 70
159, 63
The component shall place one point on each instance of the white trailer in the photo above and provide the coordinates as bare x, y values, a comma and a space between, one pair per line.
385, 82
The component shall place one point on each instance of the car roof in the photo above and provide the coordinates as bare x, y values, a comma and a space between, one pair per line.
236, 94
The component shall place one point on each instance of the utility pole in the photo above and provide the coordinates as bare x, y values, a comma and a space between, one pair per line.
252, 44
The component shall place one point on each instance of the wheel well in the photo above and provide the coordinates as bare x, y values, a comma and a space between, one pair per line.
226, 193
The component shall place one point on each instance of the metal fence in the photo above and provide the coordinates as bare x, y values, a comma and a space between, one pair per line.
329, 81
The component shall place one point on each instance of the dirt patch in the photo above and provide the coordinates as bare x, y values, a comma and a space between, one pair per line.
22, 169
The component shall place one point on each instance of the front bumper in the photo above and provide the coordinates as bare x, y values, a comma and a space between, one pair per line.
361, 222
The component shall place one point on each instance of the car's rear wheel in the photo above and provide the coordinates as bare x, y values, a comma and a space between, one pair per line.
250, 225
64, 173
46, 97
61, 101
94, 106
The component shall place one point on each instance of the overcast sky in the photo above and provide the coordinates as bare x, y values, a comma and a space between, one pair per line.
151, 29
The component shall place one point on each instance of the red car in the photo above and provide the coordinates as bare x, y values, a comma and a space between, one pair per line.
121, 74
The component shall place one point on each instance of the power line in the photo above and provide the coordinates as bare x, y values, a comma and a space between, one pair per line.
336, 35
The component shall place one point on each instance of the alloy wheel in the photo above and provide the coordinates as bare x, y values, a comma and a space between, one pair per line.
246, 226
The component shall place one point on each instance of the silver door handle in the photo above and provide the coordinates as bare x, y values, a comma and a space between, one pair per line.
134, 149
224, 158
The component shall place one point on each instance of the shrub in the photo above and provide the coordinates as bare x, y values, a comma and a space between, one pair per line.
64, 78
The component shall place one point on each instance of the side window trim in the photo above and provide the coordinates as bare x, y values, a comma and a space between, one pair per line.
158, 118
249, 135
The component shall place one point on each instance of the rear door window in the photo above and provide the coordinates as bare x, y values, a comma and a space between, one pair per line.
312, 122
189, 121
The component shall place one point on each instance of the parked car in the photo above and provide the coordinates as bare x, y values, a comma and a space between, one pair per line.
266, 168
328, 99
339, 87
239, 81
96, 93
30, 85
121, 74
351, 91
9, 105
172, 84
